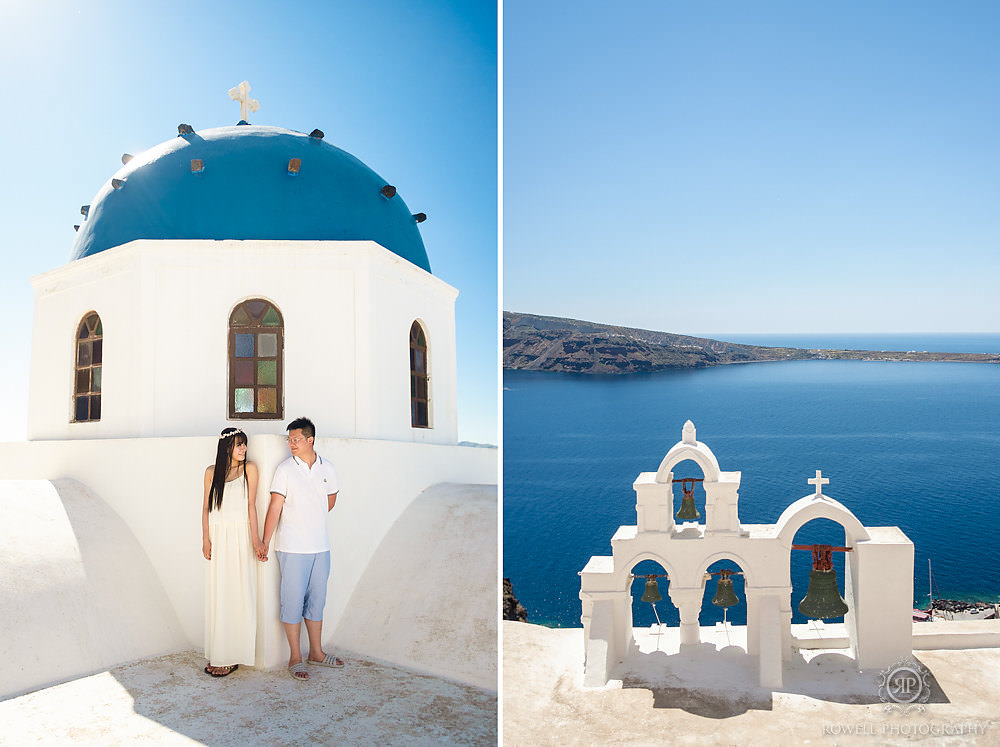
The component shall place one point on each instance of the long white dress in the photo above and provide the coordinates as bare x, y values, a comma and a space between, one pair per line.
231, 582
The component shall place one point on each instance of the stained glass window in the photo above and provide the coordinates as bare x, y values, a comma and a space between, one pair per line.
256, 349
419, 397
87, 369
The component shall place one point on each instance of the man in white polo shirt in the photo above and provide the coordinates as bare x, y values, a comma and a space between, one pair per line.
303, 490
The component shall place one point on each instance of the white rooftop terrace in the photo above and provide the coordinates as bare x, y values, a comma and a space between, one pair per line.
709, 693
168, 700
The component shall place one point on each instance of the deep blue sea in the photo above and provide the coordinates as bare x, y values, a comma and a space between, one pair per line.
916, 445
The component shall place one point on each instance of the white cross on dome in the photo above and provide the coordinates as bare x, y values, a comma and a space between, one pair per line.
241, 93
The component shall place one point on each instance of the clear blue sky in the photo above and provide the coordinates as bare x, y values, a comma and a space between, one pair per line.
409, 88
753, 167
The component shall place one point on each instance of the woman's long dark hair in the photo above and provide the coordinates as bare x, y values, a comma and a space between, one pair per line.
223, 459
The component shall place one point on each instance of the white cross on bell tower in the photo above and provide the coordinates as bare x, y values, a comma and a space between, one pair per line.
241, 93
819, 481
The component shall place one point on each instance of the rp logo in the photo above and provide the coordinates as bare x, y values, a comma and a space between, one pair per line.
904, 686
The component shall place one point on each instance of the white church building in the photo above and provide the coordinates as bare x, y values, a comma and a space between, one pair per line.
242, 276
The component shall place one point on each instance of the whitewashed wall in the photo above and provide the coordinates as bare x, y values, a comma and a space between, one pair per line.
155, 486
165, 306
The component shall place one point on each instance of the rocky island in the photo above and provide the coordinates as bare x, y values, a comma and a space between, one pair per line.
549, 343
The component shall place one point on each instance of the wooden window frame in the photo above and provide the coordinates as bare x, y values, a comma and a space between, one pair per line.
256, 328
419, 380
92, 370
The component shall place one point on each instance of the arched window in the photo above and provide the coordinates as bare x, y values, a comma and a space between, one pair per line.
418, 378
89, 355
256, 349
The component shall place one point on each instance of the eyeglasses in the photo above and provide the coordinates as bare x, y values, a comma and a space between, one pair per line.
296, 441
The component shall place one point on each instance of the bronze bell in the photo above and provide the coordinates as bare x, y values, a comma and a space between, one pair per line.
822, 600
688, 512
724, 594
652, 592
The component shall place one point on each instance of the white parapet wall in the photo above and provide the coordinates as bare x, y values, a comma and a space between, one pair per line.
956, 634
427, 599
155, 488
77, 592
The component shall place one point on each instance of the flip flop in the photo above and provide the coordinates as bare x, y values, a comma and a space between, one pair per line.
232, 669
329, 661
297, 670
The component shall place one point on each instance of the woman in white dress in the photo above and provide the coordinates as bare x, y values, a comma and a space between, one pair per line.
230, 543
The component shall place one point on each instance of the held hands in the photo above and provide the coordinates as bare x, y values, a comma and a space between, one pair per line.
260, 550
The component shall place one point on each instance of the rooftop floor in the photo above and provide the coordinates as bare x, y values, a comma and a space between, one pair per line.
170, 701
709, 695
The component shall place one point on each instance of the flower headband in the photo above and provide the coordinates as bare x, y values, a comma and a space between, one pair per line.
232, 433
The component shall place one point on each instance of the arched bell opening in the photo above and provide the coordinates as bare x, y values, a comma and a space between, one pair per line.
724, 598
812, 581
688, 486
649, 579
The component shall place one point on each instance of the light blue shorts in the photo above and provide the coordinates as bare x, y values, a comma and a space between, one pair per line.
303, 585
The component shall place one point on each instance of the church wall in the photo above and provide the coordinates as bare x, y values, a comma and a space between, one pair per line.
396, 304
165, 305
111, 287
314, 289
313, 292
155, 486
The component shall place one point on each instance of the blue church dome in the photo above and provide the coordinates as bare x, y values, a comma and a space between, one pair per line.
248, 182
